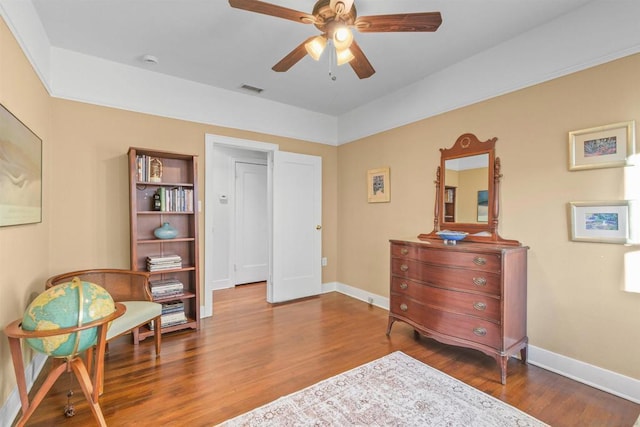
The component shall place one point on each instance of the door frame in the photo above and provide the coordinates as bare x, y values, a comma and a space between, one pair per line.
211, 141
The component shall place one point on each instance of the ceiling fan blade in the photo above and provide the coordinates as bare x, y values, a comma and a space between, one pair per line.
408, 22
273, 10
360, 63
292, 58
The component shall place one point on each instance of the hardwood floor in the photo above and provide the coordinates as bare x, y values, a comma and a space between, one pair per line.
250, 353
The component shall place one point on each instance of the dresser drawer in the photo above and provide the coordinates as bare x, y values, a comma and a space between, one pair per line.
404, 251
465, 327
407, 307
473, 304
445, 277
478, 261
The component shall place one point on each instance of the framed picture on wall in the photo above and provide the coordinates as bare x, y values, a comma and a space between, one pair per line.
378, 185
602, 222
607, 146
20, 172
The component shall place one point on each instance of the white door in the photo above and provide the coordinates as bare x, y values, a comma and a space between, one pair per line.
297, 234
251, 223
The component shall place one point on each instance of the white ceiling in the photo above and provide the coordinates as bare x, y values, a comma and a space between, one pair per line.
209, 42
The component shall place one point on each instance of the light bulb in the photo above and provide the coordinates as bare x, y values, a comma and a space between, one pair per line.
343, 56
342, 38
315, 47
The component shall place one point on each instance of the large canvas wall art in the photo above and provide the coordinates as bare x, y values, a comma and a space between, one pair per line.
20, 172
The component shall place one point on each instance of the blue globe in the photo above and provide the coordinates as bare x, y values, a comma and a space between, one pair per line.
66, 305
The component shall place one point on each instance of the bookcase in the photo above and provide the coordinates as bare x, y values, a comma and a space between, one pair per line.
163, 188
449, 204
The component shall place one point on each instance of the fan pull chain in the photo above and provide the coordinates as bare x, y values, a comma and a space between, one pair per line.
332, 60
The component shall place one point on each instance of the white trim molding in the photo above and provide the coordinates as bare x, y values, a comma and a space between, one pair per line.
594, 376
11, 407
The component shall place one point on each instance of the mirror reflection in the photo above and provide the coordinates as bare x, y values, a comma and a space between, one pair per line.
466, 184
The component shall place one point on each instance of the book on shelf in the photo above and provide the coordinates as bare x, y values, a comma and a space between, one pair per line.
163, 262
172, 314
166, 288
176, 199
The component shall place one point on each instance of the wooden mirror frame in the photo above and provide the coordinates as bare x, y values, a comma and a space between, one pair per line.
465, 146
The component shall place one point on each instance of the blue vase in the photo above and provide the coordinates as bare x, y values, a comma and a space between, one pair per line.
166, 231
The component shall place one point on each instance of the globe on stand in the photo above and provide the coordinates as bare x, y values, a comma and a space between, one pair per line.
67, 305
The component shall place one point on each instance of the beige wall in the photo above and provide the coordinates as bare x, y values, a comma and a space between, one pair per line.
575, 304
576, 307
85, 191
24, 249
90, 182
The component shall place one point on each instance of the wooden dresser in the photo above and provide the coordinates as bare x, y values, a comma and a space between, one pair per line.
470, 294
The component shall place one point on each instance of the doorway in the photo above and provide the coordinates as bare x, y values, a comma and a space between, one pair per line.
294, 244
251, 240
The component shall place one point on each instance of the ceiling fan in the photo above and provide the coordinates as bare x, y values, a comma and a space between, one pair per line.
335, 19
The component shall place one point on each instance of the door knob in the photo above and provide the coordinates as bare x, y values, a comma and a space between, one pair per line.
318, 227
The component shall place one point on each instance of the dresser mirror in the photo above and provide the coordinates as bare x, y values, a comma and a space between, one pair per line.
467, 191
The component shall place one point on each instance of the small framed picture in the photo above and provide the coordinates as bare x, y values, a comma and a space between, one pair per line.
602, 222
378, 185
607, 146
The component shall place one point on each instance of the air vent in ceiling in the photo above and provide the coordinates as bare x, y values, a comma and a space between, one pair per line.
251, 88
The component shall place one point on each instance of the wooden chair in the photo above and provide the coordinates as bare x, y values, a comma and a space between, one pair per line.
131, 288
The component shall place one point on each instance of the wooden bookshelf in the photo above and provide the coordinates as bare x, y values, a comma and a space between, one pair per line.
449, 204
178, 182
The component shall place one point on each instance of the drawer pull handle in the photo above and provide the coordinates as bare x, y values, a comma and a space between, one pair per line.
404, 251
479, 281
404, 267
481, 332
479, 260
480, 306
403, 286
404, 307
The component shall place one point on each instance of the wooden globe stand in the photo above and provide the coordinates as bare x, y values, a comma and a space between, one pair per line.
73, 363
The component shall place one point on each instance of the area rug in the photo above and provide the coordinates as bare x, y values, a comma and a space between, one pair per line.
395, 390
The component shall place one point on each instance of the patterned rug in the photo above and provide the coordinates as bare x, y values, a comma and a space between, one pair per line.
395, 390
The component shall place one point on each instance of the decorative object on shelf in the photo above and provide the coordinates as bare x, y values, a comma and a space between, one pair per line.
378, 185
155, 170
601, 222
451, 237
607, 146
20, 172
165, 231
157, 201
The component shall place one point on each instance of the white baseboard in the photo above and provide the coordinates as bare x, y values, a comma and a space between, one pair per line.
11, 407
594, 376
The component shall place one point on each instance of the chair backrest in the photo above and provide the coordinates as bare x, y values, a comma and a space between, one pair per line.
122, 285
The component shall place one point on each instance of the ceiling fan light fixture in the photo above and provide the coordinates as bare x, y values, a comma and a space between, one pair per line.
342, 38
343, 56
315, 47
341, 7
